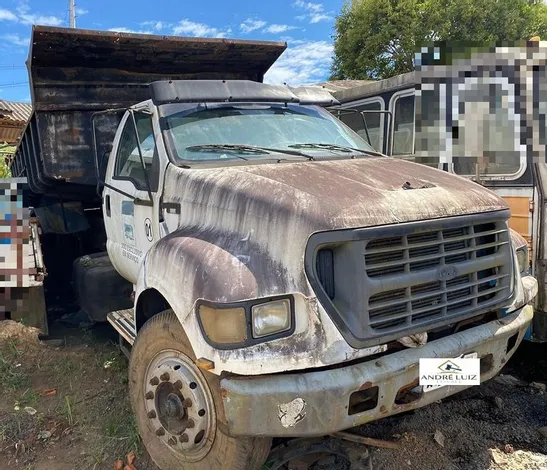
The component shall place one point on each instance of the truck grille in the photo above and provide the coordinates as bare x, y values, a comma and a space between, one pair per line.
389, 260
382, 283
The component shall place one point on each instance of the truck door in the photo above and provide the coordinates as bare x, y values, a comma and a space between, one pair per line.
130, 198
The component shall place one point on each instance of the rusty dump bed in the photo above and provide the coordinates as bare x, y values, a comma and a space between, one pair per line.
74, 73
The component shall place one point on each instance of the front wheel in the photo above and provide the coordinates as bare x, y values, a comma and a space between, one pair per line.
177, 405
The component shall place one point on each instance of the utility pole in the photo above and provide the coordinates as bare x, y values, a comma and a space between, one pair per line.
72, 13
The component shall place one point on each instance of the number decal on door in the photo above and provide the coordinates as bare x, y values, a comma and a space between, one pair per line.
148, 230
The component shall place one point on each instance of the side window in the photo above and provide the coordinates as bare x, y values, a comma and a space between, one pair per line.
128, 163
355, 122
403, 126
489, 128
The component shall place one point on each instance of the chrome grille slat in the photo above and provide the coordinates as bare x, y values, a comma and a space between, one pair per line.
404, 300
386, 283
438, 306
423, 244
402, 281
436, 256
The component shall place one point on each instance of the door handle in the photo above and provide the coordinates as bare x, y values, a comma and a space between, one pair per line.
107, 204
143, 202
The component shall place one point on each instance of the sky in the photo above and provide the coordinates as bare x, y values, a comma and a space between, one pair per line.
306, 26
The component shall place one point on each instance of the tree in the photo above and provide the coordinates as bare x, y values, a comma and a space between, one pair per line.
5, 151
377, 39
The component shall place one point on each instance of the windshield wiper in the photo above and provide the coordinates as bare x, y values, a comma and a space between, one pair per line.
334, 147
253, 149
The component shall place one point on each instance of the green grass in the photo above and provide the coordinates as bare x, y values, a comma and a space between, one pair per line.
28, 398
12, 376
68, 411
123, 429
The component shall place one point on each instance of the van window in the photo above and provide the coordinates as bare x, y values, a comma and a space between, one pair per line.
403, 126
128, 162
354, 120
430, 127
487, 130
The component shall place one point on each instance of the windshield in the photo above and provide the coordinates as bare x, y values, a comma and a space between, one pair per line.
258, 131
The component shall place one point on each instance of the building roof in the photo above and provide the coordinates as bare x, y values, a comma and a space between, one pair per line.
18, 113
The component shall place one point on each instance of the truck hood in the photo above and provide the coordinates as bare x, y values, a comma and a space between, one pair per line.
329, 195
240, 232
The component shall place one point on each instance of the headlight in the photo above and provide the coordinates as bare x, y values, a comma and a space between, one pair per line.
271, 318
224, 325
522, 258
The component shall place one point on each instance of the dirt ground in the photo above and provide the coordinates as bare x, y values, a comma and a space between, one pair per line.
64, 405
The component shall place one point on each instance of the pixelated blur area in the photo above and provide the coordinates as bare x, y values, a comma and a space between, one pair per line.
481, 108
16, 254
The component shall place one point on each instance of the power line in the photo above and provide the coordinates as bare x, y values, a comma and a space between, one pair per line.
6, 67
13, 84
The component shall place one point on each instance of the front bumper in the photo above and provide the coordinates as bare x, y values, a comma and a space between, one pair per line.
317, 403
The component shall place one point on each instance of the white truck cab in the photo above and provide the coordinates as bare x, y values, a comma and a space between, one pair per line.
280, 266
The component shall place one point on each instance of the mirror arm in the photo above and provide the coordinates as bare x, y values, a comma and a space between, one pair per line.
141, 156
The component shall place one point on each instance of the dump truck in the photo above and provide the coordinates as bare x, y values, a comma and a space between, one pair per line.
270, 275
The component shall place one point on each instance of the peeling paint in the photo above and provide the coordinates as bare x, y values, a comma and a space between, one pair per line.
290, 414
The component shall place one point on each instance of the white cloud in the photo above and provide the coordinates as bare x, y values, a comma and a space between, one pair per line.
81, 11
122, 29
190, 28
6, 15
291, 40
305, 63
315, 7
314, 12
278, 28
40, 19
156, 25
16, 40
317, 17
24, 17
251, 25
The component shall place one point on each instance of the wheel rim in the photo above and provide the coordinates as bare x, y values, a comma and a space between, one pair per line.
179, 405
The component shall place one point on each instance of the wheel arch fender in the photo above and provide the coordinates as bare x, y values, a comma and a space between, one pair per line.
178, 271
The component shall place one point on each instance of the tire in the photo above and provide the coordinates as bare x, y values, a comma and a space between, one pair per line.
160, 347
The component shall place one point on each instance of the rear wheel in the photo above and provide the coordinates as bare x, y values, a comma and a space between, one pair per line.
177, 405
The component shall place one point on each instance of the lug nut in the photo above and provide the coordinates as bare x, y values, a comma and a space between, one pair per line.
184, 438
154, 381
172, 441
149, 395
164, 377
160, 432
187, 403
178, 385
190, 423
152, 414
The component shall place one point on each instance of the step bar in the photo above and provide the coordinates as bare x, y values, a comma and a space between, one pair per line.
122, 321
